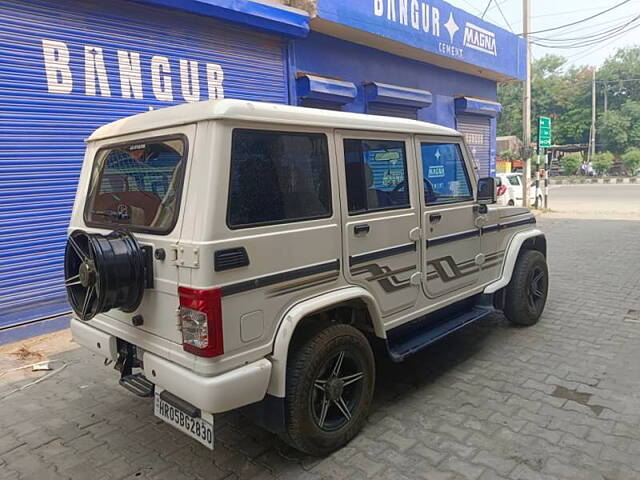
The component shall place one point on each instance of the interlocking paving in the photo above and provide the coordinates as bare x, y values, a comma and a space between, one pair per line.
560, 400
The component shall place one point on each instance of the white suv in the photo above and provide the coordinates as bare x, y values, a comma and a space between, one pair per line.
231, 254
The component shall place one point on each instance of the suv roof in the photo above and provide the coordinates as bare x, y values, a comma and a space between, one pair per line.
263, 112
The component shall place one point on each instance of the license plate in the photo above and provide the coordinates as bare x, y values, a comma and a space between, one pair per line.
196, 428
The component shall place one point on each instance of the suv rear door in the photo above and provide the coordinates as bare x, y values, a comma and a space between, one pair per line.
137, 179
380, 216
452, 239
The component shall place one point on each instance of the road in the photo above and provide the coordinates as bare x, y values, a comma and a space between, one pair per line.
620, 202
556, 401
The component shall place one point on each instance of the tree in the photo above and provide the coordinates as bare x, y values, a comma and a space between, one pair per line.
602, 162
564, 94
614, 132
631, 161
618, 71
570, 163
620, 129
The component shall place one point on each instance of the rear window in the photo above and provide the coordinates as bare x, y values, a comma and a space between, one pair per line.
137, 185
278, 177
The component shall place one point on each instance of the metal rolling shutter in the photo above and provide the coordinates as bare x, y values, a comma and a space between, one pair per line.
42, 129
477, 132
393, 110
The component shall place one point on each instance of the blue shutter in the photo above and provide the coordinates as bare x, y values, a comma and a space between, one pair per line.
44, 120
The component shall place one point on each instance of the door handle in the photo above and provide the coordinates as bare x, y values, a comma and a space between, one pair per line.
362, 228
435, 217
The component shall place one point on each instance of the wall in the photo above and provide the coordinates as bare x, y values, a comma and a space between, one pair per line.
332, 57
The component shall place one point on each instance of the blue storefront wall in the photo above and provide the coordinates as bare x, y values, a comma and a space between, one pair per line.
68, 67
334, 58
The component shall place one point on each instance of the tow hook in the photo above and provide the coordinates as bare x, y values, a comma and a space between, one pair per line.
127, 360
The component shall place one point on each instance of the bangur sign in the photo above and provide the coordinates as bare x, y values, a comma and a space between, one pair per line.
433, 26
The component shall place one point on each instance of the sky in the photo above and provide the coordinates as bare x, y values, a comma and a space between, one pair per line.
552, 13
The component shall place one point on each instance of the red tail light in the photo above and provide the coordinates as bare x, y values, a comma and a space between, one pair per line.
501, 190
201, 321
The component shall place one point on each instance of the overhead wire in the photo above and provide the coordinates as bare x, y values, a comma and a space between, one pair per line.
560, 27
594, 39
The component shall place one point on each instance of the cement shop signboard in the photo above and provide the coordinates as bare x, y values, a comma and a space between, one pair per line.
435, 27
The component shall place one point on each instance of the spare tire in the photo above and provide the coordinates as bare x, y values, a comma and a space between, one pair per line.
103, 272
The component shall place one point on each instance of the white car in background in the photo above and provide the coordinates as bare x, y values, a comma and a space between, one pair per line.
510, 190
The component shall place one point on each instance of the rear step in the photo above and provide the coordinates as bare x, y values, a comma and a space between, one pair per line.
417, 336
138, 384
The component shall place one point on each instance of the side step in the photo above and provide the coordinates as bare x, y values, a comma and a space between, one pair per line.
409, 339
138, 384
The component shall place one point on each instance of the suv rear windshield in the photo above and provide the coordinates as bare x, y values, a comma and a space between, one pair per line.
137, 185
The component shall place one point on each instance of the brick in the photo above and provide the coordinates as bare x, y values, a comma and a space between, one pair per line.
366, 465
500, 464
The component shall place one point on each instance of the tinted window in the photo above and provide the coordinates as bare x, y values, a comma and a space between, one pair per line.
446, 178
376, 172
137, 185
278, 177
514, 180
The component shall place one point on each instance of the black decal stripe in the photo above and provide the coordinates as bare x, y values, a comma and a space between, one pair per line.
502, 226
313, 282
453, 237
387, 252
268, 280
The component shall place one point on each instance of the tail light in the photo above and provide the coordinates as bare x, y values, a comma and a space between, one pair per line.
201, 321
501, 190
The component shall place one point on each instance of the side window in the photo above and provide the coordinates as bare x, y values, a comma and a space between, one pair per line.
278, 177
514, 180
445, 174
376, 172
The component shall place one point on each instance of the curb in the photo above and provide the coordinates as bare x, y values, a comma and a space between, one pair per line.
590, 181
33, 329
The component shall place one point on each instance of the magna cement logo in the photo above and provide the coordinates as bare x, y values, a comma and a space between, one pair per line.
480, 39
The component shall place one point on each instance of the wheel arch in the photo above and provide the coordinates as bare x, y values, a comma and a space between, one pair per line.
294, 320
526, 240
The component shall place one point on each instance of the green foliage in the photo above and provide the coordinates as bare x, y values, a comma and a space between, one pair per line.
617, 70
570, 163
614, 128
602, 162
564, 94
508, 155
620, 129
631, 161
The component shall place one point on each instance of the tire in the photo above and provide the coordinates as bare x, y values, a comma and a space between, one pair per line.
525, 300
310, 426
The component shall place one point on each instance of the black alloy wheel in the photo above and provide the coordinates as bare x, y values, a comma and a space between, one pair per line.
330, 382
526, 294
337, 391
103, 272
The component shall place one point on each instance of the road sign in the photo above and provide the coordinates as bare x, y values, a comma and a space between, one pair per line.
544, 132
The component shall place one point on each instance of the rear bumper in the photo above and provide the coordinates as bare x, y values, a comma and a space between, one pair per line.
236, 388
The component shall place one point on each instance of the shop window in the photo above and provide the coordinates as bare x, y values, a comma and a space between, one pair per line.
278, 177
376, 173
445, 175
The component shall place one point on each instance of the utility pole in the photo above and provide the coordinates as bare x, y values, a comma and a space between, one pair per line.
526, 107
592, 147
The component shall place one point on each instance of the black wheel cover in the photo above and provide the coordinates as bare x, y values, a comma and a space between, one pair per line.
103, 272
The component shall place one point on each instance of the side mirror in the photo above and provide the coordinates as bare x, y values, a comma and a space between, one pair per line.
487, 191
